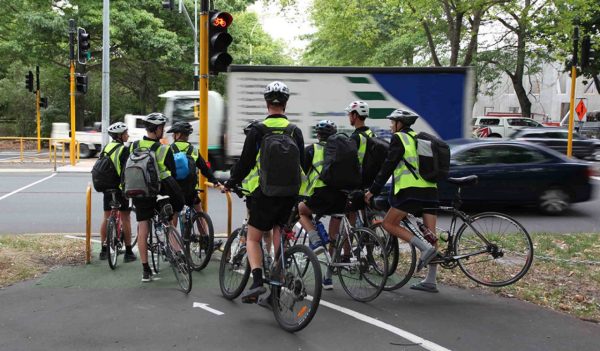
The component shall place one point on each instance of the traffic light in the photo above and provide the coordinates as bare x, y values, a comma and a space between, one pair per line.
81, 83
83, 45
588, 55
168, 4
218, 41
44, 102
29, 81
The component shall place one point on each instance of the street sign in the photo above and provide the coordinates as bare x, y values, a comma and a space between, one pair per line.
581, 110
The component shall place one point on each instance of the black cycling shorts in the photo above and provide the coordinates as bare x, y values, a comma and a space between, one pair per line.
120, 198
266, 212
144, 207
327, 201
414, 207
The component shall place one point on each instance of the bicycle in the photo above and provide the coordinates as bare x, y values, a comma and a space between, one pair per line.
115, 236
198, 239
164, 240
490, 248
359, 258
294, 277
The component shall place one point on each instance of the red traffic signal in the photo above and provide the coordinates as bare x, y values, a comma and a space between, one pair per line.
220, 19
218, 41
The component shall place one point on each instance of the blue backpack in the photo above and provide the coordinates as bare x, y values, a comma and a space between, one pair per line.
184, 163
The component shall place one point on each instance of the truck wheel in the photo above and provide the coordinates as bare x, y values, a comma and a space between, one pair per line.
84, 151
554, 201
494, 136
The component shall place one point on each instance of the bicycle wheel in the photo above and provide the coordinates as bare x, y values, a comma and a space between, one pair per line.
364, 277
496, 250
179, 260
112, 242
295, 303
402, 259
200, 240
154, 248
234, 270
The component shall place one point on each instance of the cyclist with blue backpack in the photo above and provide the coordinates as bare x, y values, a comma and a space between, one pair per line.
272, 156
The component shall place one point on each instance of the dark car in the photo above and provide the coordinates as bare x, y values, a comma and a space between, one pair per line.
556, 139
518, 173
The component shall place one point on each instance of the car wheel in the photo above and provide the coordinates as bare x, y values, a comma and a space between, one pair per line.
596, 154
554, 201
84, 151
495, 135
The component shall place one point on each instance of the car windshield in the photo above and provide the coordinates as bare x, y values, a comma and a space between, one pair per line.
497, 154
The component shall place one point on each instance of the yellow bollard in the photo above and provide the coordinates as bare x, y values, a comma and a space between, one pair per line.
88, 225
21, 140
63, 153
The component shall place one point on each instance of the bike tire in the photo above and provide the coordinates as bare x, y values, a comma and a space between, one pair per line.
295, 303
200, 250
180, 262
154, 248
234, 269
505, 261
365, 279
402, 259
112, 246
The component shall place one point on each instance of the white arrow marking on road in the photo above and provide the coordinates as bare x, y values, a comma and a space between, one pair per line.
205, 307
27, 186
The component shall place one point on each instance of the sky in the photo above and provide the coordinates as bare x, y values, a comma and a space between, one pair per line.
288, 24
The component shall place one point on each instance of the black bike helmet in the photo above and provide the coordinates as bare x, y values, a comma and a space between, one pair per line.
406, 117
326, 128
181, 127
277, 92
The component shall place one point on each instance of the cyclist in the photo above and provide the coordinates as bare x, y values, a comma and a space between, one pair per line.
266, 212
322, 198
411, 193
118, 133
144, 207
358, 112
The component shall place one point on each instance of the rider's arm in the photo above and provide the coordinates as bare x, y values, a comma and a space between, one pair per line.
170, 162
247, 160
394, 156
205, 170
309, 152
300, 142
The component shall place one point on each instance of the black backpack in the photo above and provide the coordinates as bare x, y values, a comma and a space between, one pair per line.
375, 155
104, 173
341, 169
279, 174
434, 157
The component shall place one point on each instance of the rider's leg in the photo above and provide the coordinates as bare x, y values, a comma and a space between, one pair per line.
306, 221
255, 255
429, 220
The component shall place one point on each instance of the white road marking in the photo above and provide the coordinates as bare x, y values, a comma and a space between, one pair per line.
426, 344
27, 186
205, 307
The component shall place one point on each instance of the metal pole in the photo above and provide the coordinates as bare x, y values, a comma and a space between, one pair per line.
196, 45
203, 95
105, 71
72, 31
37, 110
573, 87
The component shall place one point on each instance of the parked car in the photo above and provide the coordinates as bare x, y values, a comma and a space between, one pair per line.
556, 139
516, 174
500, 127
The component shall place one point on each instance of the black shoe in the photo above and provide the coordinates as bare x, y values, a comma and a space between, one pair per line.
129, 257
104, 253
251, 295
147, 276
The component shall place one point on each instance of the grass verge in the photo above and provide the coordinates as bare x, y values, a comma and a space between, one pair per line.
24, 257
565, 275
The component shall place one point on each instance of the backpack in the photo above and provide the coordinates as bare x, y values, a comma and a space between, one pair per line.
184, 162
104, 173
141, 176
434, 157
279, 172
375, 155
341, 169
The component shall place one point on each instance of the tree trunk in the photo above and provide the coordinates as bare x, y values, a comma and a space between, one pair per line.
517, 77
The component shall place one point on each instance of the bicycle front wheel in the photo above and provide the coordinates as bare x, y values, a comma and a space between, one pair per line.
179, 260
234, 270
295, 303
494, 249
200, 240
402, 259
112, 246
154, 248
364, 274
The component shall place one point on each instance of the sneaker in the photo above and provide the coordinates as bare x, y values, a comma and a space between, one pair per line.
428, 287
317, 248
251, 295
147, 276
327, 284
129, 257
104, 253
426, 257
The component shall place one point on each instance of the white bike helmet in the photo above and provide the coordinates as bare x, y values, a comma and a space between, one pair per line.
156, 118
117, 128
277, 92
361, 107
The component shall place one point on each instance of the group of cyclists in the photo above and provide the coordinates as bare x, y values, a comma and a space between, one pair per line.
270, 201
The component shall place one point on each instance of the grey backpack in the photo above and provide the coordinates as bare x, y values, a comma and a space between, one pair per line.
141, 176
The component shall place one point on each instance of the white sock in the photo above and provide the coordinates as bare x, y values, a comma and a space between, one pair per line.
431, 274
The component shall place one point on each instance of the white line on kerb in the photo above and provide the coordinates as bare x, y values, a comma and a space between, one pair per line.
27, 186
426, 344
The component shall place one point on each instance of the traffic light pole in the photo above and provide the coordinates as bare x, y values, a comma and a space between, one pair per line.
37, 110
572, 102
203, 34
72, 31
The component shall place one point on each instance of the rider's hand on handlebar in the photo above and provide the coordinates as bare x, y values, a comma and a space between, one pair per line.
368, 197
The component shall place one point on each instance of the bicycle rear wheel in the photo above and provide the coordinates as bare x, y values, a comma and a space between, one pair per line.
154, 248
364, 277
234, 270
497, 249
179, 260
200, 240
112, 246
402, 259
295, 303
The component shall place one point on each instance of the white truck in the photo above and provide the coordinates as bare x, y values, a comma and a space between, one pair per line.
442, 96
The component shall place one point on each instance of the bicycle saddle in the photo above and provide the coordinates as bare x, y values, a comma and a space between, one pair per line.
468, 180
